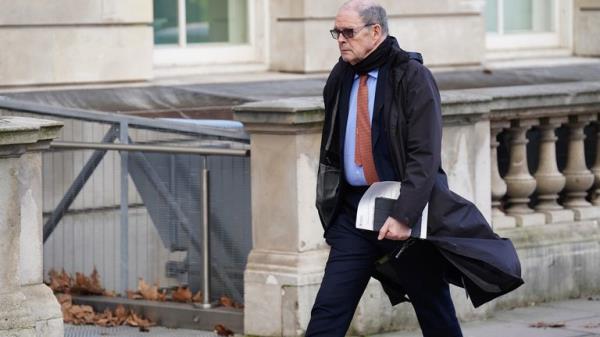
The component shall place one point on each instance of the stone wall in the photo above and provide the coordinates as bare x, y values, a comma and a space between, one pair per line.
70, 41
446, 32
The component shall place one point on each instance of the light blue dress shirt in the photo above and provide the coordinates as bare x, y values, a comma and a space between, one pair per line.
354, 174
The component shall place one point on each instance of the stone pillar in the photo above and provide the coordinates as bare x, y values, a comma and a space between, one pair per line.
520, 183
579, 178
549, 180
499, 219
586, 27
17, 135
285, 266
16, 318
39, 297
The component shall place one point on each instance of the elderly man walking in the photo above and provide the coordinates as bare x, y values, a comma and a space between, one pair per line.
362, 80
383, 123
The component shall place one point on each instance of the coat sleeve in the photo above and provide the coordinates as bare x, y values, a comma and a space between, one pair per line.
423, 144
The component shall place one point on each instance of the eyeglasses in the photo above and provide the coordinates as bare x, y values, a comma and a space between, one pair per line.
348, 33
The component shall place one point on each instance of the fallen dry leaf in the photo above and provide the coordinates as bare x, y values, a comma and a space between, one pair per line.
95, 281
136, 321
147, 291
60, 282
182, 294
162, 296
111, 293
547, 325
134, 295
106, 319
221, 330
64, 299
67, 316
226, 301
198, 298
132, 320
87, 285
121, 314
82, 314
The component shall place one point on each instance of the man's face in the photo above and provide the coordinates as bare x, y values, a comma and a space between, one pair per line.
355, 49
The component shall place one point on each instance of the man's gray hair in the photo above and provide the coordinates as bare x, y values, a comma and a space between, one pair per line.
370, 12
375, 14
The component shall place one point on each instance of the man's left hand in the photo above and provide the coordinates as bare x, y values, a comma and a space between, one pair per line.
394, 230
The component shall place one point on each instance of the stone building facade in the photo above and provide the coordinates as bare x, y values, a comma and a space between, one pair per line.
103, 41
72, 44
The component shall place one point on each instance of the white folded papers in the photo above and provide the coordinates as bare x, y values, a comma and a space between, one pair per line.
376, 205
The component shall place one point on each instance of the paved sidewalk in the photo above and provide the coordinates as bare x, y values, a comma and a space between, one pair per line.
581, 318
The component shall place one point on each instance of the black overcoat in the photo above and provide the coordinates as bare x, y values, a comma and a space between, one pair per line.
481, 262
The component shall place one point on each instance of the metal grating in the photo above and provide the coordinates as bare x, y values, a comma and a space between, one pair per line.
125, 331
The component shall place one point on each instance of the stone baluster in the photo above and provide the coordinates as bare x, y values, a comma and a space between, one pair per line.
579, 178
499, 219
596, 170
520, 183
549, 180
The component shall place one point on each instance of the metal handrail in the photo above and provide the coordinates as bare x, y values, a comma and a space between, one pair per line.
112, 118
149, 148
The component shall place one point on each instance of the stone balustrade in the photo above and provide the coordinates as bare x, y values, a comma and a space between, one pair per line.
549, 195
286, 263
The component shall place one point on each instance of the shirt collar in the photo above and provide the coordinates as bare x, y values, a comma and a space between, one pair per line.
373, 73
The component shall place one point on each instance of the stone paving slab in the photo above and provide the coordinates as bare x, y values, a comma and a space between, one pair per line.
501, 329
591, 305
589, 325
580, 316
544, 313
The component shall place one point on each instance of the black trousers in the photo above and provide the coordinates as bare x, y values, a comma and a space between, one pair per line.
350, 266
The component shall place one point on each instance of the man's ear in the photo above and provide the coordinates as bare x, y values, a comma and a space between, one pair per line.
377, 32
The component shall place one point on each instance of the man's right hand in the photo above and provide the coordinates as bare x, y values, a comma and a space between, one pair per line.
393, 229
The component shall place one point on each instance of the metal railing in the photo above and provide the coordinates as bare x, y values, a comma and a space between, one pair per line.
169, 163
